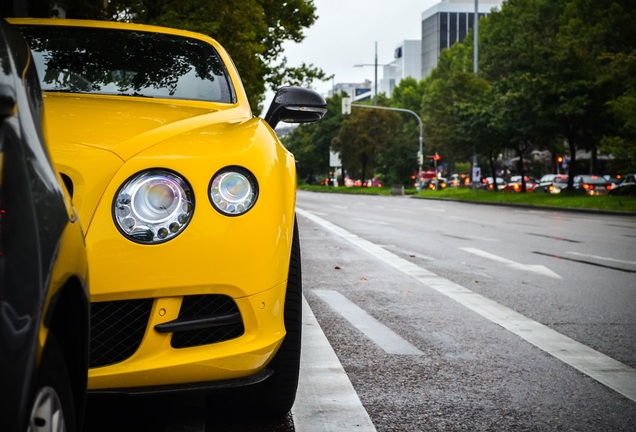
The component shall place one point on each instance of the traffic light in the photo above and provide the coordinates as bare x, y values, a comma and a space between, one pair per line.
559, 159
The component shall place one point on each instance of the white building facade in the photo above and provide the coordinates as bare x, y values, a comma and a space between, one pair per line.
406, 63
356, 91
443, 24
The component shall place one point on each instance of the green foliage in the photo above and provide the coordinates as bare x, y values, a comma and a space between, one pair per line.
310, 143
601, 35
457, 118
408, 95
538, 200
252, 31
552, 73
563, 200
365, 135
559, 60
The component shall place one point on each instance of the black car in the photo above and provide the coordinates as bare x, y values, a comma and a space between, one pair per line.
592, 185
44, 304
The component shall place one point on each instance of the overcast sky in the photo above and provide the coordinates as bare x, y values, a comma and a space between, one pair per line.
345, 34
346, 31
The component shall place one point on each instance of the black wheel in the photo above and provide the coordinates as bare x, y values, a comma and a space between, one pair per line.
52, 408
279, 390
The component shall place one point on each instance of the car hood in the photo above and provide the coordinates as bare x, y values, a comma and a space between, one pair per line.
92, 137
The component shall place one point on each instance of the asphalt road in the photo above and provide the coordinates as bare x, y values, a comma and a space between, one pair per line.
442, 316
513, 311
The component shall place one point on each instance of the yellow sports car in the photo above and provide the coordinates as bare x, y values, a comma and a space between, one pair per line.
187, 201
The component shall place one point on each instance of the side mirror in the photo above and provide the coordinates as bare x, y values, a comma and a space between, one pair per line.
296, 105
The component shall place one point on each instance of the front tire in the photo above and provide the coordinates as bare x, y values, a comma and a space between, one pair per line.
52, 408
279, 390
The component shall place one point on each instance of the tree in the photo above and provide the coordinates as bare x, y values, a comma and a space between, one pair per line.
452, 106
253, 32
398, 162
364, 135
408, 95
310, 143
600, 33
477, 124
525, 51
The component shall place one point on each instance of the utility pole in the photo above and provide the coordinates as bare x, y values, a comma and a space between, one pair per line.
476, 41
375, 66
475, 70
375, 96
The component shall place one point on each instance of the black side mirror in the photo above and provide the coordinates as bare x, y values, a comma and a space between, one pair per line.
296, 105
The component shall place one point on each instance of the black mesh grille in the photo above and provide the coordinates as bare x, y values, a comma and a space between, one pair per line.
117, 329
206, 306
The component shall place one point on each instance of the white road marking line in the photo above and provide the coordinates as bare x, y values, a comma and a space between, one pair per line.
372, 222
326, 400
435, 209
602, 258
604, 369
380, 334
543, 270
488, 239
409, 253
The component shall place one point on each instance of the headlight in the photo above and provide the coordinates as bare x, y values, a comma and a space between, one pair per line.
153, 206
233, 191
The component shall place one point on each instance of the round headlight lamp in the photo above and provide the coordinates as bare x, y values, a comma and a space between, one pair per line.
153, 206
233, 191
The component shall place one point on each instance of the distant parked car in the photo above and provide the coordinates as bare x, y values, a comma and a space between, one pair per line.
614, 180
44, 300
626, 187
548, 178
488, 183
435, 184
514, 185
592, 185
457, 180
552, 183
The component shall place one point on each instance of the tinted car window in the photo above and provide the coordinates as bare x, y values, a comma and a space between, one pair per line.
127, 63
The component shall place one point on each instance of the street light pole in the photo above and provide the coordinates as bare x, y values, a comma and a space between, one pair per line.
375, 66
375, 97
475, 70
475, 42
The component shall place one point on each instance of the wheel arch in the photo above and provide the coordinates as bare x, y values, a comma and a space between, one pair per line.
68, 319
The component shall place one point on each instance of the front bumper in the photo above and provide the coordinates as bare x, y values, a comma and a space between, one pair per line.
156, 362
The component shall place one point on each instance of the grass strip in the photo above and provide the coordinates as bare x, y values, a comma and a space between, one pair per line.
573, 200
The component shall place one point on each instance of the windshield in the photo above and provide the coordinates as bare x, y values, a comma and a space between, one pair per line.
592, 180
127, 63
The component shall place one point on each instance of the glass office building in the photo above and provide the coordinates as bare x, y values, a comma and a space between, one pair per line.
446, 23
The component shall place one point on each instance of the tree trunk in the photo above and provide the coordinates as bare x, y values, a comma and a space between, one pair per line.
493, 171
521, 168
572, 165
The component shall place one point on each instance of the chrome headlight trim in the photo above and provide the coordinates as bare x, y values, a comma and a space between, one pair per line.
153, 206
233, 191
